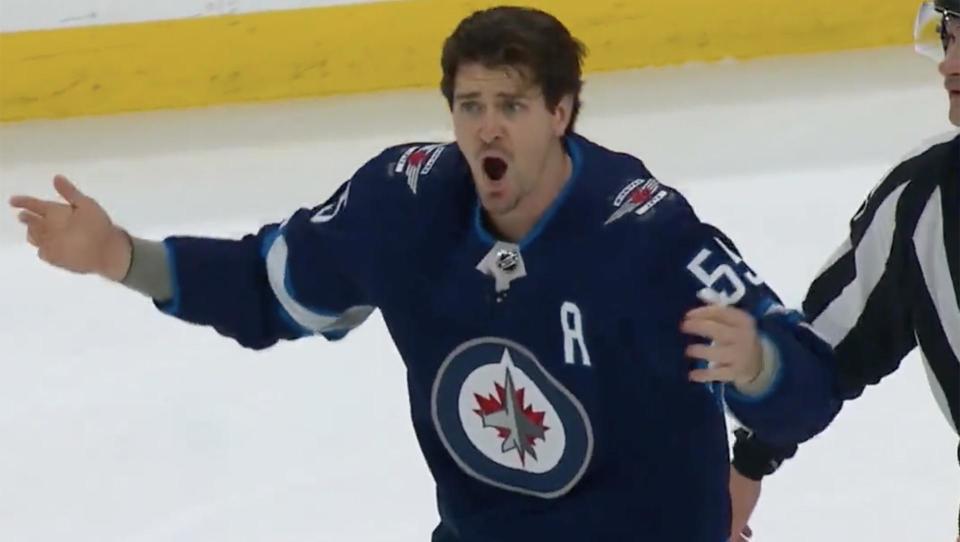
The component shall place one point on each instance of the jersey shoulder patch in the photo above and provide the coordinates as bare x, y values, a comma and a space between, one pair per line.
381, 187
416, 161
637, 198
646, 202
624, 188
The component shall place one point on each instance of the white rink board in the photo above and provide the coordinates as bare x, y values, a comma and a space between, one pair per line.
17, 15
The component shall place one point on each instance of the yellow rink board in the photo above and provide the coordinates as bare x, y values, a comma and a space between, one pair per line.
389, 45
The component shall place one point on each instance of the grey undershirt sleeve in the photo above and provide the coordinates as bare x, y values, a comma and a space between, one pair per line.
149, 271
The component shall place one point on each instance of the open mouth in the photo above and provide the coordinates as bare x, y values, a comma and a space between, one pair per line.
495, 168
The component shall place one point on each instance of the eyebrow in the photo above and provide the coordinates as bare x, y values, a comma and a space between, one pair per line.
475, 95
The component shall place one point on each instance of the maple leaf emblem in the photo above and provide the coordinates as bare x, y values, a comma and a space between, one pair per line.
518, 424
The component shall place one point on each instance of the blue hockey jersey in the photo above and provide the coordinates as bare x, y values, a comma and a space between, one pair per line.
547, 378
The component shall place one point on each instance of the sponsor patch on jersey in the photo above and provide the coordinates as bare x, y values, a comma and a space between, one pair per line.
638, 198
418, 161
507, 422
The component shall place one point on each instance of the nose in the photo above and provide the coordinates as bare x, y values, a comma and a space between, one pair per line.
491, 127
951, 61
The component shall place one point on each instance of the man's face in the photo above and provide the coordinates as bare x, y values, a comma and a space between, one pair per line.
950, 67
507, 133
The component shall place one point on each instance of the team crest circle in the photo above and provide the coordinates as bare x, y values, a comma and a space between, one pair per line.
509, 423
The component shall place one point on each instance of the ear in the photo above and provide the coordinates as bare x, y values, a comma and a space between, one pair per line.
561, 115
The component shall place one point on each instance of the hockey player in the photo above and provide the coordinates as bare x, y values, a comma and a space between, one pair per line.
567, 322
892, 286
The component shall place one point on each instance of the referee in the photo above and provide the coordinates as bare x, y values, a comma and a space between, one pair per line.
892, 285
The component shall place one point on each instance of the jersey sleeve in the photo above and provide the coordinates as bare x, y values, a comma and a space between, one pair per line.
799, 403
708, 268
314, 273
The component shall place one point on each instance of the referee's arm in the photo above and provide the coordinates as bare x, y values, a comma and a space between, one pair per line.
860, 303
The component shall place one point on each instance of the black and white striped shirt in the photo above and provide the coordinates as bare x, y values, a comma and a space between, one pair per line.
890, 287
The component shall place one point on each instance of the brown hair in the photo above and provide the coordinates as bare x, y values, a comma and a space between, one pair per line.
529, 40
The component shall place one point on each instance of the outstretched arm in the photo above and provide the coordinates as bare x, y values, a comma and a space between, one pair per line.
286, 281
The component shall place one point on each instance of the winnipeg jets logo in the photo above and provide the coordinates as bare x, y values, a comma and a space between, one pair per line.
509, 423
638, 197
418, 161
519, 426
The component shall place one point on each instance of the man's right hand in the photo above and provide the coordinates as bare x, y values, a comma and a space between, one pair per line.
744, 494
76, 235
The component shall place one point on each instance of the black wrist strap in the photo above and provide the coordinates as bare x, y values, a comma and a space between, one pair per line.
754, 458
